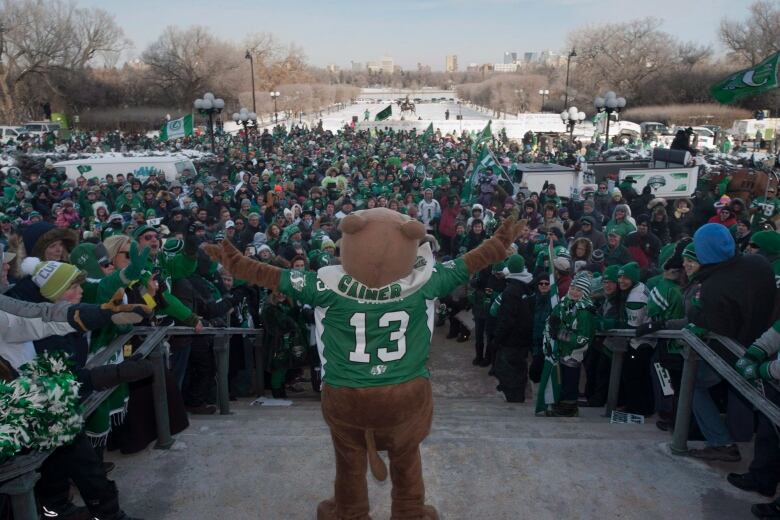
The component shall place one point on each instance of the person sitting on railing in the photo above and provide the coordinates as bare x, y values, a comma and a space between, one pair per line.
736, 298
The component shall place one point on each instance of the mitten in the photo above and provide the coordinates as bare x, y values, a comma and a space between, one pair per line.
108, 376
649, 328
137, 263
748, 365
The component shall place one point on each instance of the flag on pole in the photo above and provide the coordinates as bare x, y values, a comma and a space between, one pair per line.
550, 383
483, 137
748, 82
469, 191
384, 114
428, 134
176, 128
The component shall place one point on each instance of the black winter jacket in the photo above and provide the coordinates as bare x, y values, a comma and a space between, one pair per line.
515, 321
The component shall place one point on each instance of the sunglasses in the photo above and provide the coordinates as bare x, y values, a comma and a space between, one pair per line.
149, 236
544, 283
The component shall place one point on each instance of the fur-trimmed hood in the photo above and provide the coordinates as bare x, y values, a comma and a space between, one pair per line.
41, 235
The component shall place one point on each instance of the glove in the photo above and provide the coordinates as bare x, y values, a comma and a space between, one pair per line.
649, 328
749, 364
108, 376
125, 313
137, 262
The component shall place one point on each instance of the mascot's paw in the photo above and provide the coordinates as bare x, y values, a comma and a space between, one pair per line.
214, 251
427, 513
326, 510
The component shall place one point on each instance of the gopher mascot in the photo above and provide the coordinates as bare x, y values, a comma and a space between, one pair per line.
374, 321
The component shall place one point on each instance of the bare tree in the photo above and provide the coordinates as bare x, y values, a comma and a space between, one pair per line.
757, 37
185, 63
44, 42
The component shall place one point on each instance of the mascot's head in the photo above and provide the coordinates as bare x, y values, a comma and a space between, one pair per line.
379, 246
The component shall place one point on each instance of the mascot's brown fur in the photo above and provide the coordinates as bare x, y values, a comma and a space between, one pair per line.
378, 247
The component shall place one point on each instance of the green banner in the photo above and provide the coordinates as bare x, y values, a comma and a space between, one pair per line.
748, 82
177, 128
384, 114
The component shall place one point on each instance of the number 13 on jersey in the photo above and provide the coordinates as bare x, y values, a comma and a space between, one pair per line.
385, 353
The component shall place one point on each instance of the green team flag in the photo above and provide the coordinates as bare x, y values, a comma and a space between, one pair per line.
748, 82
176, 128
483, 137
469, 191
550, 381
384, 114
428, 134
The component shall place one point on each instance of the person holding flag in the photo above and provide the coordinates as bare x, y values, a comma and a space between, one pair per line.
568, 333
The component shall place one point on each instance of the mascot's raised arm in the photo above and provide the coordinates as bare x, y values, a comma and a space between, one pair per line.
374, 317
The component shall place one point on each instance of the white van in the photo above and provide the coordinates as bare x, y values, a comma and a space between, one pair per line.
10, 133
40, 127
170, 166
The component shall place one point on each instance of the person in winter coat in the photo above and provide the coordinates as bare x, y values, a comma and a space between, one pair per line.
589, 230
514, 331
580, 250
682, 221
621, 221
450, 209
724, 217
550, 219
614, 252
642, 245
531, 214
542, 308
602, 199
47, 242
737, 296
659, 222
284, 340
570, 330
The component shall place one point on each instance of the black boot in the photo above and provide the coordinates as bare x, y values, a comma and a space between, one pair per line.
107, 506
454, 329
65, 511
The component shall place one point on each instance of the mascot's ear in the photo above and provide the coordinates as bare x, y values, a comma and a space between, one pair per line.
413, 229
352, 224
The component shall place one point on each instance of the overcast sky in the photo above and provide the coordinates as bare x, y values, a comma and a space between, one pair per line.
411, 31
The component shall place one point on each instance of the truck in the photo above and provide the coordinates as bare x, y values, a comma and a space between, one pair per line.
671, 176
568, 181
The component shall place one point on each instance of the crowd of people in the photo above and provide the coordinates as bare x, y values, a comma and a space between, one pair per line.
610, 258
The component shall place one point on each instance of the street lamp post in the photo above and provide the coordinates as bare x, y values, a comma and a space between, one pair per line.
252, 70
570, 118
609, 103
274, 96
246, 119
544, 93
209, 105
572, 54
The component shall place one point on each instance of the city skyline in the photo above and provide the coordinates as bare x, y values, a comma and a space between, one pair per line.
423, 31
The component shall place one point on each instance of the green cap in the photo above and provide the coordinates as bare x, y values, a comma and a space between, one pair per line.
515, 264
611, 273
630, 271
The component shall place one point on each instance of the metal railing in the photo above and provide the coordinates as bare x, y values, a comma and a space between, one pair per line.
695, 349
19, 474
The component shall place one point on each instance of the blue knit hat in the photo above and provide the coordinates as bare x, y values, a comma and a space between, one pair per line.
714, 244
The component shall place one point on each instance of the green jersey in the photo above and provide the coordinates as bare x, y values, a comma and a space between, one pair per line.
373, 337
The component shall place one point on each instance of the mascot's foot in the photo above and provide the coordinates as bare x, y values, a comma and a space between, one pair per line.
326, 510
428, 513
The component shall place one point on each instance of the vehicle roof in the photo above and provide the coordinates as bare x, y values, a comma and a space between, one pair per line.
40, 123
544, 168
125, 160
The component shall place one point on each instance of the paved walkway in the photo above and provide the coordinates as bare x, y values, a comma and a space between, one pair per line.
485, 459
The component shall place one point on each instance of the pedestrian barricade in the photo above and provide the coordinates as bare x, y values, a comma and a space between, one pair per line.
19, 474
695, 349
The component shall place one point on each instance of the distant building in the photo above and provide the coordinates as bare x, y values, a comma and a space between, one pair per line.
374, 66
510, 57
505, 67
530, 57
423, 68
451, 64
388, 65
332, 68
397, 69
357, 66
485, 68
472, 67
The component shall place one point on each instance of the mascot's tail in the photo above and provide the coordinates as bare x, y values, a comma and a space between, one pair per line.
375, 462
